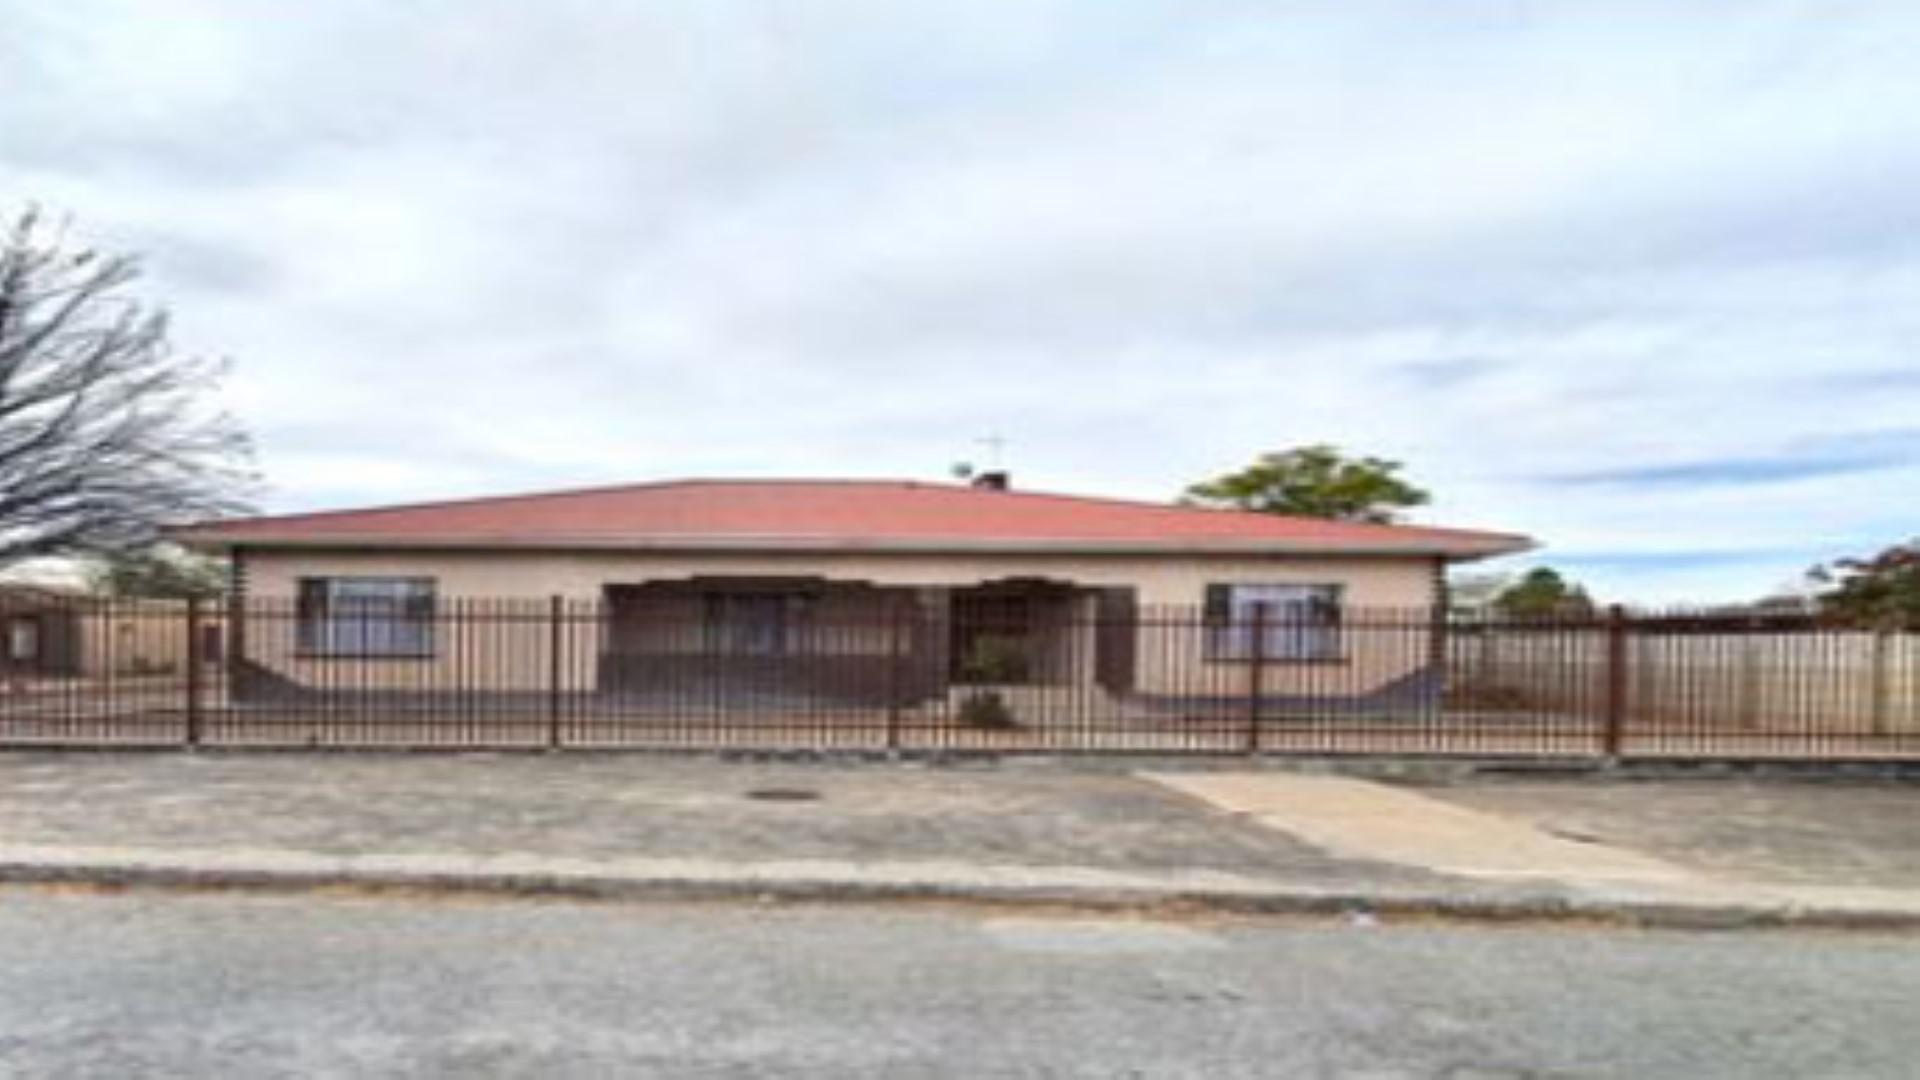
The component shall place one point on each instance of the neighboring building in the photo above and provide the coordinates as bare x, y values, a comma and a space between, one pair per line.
820, 580
40, 633
55, 633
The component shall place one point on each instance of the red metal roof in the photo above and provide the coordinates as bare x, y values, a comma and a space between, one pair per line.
834, 514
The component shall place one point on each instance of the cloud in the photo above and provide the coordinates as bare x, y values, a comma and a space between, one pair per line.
1724, 471
1893, 379
1680, 560
1446, 374
1633, 281
1826, 456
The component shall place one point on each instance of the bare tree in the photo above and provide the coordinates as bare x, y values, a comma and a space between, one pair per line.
105, 432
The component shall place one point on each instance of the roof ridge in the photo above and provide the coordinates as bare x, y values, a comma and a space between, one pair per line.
566, 492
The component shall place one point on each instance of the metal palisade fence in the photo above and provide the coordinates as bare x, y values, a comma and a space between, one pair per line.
918, 677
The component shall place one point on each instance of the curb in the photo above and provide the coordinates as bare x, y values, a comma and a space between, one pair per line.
1003, 887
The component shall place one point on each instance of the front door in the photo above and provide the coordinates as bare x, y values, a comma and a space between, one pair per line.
992, 640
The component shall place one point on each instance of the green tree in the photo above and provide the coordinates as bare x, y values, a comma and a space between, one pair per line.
1313, 481
1476, 591
160, 572
1881, 591
1543, 593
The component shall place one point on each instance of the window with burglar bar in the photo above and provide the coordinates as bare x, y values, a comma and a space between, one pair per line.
366, 616
757, 623
1301, 622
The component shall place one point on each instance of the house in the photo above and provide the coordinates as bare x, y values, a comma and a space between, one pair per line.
847, 588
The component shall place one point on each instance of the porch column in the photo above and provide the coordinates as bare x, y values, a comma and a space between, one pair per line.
932, 612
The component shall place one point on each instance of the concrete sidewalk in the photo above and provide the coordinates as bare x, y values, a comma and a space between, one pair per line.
1035, 833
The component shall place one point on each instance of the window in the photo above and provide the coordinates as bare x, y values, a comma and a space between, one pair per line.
1302, 622
23, 639
366, 616
755, 623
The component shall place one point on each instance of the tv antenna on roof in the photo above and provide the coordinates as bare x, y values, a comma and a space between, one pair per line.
996, 445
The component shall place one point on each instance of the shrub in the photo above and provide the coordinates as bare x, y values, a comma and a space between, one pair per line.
986, 709
995, 658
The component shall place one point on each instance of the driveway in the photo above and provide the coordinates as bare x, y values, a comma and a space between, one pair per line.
1799, 831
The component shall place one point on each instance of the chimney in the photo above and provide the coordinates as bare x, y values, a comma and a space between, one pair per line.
995, 480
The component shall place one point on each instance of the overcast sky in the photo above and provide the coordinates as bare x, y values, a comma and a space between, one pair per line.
1642, 282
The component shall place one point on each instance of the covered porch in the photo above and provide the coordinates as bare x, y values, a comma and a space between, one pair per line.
745, 638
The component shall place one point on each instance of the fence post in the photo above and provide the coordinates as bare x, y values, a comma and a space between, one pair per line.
233, 642
1616, 716
555, 627
1882, 685
1256, 676
195, 709
896, 613
1749, 674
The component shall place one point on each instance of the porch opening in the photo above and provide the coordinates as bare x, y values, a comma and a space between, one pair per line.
770, 640
1040, 632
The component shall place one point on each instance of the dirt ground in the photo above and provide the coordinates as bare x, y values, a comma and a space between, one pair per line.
606, 805
1032, 812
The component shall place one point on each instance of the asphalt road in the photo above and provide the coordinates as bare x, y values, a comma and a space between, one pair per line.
212, 986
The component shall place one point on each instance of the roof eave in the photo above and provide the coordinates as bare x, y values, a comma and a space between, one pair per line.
1465, 550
